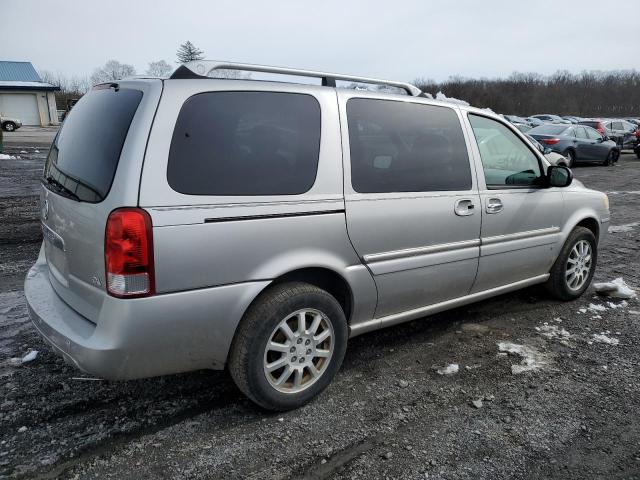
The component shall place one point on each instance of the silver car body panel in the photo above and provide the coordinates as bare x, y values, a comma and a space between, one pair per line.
402, 255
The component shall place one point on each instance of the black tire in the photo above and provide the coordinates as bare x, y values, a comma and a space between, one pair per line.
247, 352
612, 157
9, 126
570, 155
557, 284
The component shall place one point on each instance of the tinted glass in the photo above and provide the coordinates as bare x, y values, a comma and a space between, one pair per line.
245, 143
85, 153
548, 130
406, 147
590, 124
580, 132
506, 159
593, 134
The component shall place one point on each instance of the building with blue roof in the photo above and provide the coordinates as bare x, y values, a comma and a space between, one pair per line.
24, 96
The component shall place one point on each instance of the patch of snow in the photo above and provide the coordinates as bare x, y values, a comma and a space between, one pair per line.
602, 338
597, 308
448, 369
616, 288
443, 98
622, 304
582, 310
29, 357
36, 151
553, 331
634, 312
532, 359
4, 156
23, 151
627, 227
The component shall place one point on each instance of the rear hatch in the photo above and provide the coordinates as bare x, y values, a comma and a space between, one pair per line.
93, 167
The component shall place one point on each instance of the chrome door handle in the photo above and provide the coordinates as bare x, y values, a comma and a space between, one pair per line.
494, 205
464, 207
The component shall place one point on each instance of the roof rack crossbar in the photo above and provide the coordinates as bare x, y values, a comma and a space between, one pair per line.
203, 68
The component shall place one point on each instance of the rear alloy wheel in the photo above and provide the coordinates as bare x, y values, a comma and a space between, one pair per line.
573, 270
9, 126
570, 155
289, 345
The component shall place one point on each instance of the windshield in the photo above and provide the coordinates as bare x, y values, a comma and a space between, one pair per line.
84, 156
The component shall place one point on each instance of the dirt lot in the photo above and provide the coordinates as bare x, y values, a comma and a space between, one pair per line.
388, 414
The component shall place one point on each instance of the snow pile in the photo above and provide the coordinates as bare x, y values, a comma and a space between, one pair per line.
616, 288
29, 357
603, 338
443, 98
448, 369
622, 304
531, 358
627, 227
553, 331
4, 156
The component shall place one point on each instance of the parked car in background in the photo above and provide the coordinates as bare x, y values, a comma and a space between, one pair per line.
622, 132
577, 143
596, 124
9, 124
535, 122
552, 157
289, 181
515, 119
571, 118
548, 118
637, 150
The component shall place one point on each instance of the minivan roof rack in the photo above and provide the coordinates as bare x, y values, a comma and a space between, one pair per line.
202, 69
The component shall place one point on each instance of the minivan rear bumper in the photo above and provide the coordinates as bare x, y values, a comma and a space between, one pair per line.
143, 337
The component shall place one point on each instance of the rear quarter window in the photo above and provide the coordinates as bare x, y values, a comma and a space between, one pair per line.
245, 143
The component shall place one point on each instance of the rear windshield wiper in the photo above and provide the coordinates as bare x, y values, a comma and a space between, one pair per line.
60, 188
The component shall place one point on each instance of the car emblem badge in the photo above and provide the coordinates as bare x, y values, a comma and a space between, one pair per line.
45, 210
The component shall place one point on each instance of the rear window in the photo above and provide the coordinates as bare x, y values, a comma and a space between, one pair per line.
84, 156
548, 130
590, 124
245, 143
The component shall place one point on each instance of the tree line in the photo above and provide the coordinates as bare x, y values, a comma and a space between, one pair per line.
586, 94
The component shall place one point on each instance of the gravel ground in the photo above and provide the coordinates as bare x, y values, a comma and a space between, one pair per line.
388, 414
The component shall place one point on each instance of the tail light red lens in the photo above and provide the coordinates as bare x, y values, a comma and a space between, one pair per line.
128, 252
550, 141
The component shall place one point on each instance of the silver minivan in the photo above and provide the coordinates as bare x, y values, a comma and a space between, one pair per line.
203, 223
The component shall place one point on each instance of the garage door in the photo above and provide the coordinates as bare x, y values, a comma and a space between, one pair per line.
23, 106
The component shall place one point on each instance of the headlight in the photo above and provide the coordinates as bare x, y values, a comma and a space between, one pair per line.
605, 199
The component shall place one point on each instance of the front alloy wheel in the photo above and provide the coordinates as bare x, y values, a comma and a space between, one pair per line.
578, 265
573, 270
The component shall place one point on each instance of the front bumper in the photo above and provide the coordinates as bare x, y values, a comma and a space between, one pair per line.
143, 337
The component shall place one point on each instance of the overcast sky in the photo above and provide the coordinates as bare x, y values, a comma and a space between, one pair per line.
400, 40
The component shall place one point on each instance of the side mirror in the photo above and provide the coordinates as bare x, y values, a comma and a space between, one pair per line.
559, 176
547, 150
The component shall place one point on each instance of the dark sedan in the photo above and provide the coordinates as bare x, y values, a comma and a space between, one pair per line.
577, 143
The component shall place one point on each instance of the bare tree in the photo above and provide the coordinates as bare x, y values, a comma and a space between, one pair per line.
188, 52
111, 71
159, 69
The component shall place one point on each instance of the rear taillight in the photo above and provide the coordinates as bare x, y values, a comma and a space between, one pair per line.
128, 253
550, 141
601, 129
